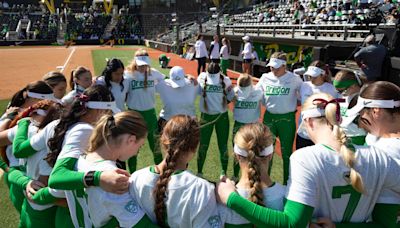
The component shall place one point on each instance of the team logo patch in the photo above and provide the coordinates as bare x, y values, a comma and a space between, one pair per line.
132, 207
215, 221
346, 176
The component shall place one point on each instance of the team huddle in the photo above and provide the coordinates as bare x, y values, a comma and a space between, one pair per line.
70, 160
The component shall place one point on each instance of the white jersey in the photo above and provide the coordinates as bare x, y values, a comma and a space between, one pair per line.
306, 90
273, 198
201, 50
247, 51
69, 98
247, 109
214, 93
76, 139
280, 93
319, 178
391, 146
139, 97
215, 51
190, 202
224, 52
32, 130
103, 206
177, 100
119, 91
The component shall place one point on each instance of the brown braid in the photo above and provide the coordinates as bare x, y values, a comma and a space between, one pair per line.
256, 192
180, 137
205, 94
224, 100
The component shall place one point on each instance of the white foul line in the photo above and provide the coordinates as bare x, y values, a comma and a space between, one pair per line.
66, 62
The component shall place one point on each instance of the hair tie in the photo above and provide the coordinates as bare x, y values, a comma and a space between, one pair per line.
111, 123
323, 103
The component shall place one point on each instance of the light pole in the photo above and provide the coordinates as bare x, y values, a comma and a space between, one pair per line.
176, 24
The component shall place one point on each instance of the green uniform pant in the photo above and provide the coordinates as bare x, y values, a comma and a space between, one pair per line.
224, 64
63, 218
33, 218
152, 136
16, 196
221, 123
284, 127
236, 168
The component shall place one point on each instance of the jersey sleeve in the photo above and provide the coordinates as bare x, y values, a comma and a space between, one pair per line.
390, 194
124, 208
302, 185
76, 141
46, 196
11, 133
21, 144
38, 141
207, 213
17, 177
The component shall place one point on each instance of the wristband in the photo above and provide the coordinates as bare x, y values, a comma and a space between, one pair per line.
89, 179
97, 175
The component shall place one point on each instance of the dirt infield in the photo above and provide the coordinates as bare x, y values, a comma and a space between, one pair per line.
21, 65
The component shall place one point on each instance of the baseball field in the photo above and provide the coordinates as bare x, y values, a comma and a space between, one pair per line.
21, 65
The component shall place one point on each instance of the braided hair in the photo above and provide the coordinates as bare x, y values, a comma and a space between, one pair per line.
72, 116
254, 138
180, 136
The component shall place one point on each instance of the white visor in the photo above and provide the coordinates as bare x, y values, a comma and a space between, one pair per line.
276, 63
367, 103
267, 151
40, 112
142, 60
42, 96
314, 71
213, 78
103, 105
244, 92
310, 113
177, 77
246, 38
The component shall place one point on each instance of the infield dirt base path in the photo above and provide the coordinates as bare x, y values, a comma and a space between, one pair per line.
21, 65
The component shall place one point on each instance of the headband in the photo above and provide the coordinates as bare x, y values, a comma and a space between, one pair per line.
103, 105
40, 112
242, 152
41, 96
323, 103
344, 83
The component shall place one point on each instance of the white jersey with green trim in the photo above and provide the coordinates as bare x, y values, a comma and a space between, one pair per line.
280, 93
319, 178
102, 205
273, 198
190, 202
214, 93
76, 139
177, 100
248, 109
306, 90
69, 98
141, 98
119, 91
32, 130
391, 146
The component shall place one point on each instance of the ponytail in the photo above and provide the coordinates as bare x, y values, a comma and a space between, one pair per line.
71, 80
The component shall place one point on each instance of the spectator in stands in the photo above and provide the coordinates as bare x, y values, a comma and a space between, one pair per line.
214, 50
247, 55
323, 15
370, 58
363, 4
260, 17
331, 11
6, 5
386, 6
201, 54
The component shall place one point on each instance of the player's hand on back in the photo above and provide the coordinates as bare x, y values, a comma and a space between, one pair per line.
223, 189
115, 181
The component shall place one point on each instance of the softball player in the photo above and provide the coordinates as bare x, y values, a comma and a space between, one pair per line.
201, 54
280, 89
348, 84
225, 53
113, 78
81, 79
319, 82
168, 193
214, 50
247, 108
247, 55
216, 91
57, 82
254, 149
142, 80
328, 179
23, 99
178, 94
114, 137
378, 108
